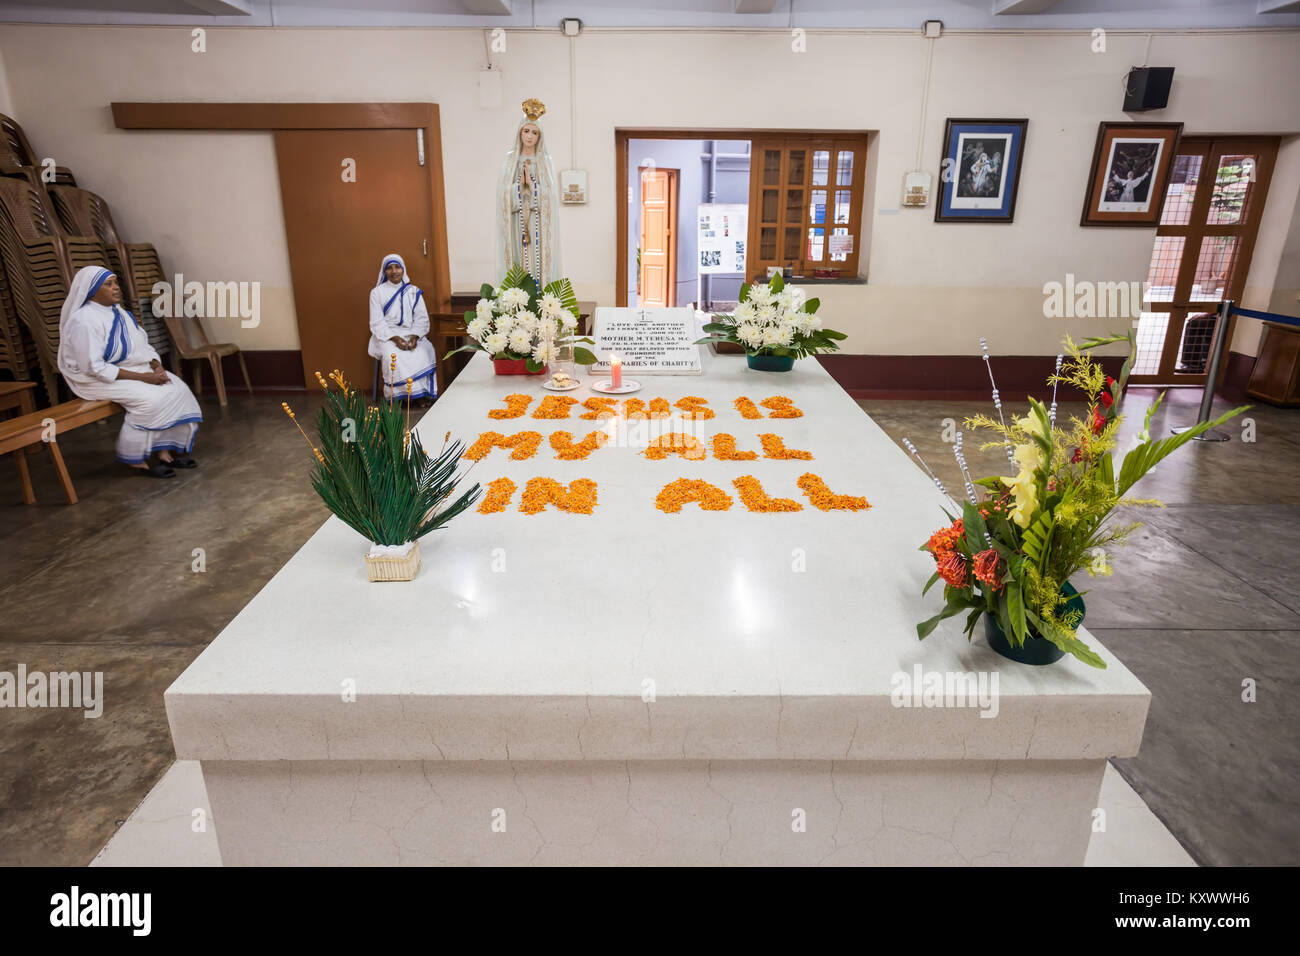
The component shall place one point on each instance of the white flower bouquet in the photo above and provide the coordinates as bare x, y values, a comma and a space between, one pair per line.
516, 322
774, 322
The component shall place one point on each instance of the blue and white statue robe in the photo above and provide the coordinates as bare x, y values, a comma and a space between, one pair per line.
98, 340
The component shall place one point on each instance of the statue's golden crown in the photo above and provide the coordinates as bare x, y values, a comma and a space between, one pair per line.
534, 109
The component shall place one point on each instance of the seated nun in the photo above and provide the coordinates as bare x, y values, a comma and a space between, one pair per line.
399, 324
105, 354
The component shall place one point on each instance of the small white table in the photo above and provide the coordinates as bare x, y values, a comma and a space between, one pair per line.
641, 687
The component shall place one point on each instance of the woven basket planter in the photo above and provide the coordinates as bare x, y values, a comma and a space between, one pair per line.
394, 569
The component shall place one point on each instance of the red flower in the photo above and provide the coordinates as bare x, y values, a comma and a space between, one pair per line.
1098, 420
945, 539
1078, 456
985, 566
1107, 399
952, 568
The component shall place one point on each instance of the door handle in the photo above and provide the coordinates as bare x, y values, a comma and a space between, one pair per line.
425, 244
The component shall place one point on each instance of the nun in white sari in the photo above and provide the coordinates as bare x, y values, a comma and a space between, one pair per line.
399, 326
105, 354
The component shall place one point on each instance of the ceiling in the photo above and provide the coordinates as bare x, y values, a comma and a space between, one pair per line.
762, 14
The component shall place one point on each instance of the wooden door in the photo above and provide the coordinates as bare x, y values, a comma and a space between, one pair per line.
339, 231
1213, 204
658, 238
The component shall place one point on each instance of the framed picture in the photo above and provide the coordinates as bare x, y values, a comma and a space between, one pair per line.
1130, 167
979, 172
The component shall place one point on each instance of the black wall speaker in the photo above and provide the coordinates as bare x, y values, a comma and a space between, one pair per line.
1147, 88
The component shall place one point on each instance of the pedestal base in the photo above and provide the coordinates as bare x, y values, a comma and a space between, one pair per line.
655, 812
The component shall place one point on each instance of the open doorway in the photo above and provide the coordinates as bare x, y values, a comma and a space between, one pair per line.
687, 222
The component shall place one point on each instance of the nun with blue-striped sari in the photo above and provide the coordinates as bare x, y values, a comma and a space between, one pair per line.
104, 354
399, 326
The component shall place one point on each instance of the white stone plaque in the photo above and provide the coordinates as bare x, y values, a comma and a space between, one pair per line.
648, 341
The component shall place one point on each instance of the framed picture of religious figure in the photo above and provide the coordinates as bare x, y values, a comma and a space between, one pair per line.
1130, 168
979, 172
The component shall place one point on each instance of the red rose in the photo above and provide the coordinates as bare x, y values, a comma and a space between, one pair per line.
985, 566
952, 568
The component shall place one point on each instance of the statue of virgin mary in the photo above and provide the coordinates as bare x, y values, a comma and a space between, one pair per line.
528, 196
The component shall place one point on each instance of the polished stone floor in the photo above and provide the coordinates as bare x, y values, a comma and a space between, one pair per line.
1206, 597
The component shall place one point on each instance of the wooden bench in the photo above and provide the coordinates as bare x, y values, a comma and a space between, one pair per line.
18, 434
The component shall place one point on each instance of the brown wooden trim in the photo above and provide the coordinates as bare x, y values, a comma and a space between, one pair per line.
623, 134
441, 293
250, 116
270, 370
621, 201
1237, 368
950, 377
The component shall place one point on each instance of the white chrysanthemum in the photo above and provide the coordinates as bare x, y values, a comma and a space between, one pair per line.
521, 340
495, 343
745, 311
527, 320
782, 301
478, 328
797, 298
512, 299
766, 314
568, 320
506, 323
484, 309
550, 305
772, 335
760, 295
785, 334
543, 351
750, 334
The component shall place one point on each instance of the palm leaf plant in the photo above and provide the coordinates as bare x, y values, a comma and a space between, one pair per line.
373, 472
518, 321
1011, 554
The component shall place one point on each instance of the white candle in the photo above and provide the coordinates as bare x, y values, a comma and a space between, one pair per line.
615, 372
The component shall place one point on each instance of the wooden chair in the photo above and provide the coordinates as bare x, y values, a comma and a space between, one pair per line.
198, 352
17, 434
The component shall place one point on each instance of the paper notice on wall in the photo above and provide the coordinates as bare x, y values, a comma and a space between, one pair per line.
840, 245
723, 228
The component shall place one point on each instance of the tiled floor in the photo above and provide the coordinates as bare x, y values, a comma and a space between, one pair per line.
1204, 597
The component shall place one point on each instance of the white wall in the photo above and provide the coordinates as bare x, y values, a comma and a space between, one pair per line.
210, 201
6, 103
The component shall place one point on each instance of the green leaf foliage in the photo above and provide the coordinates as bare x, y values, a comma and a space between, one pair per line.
376, 480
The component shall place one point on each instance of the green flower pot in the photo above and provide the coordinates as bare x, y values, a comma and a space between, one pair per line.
1035, 650
769, 363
